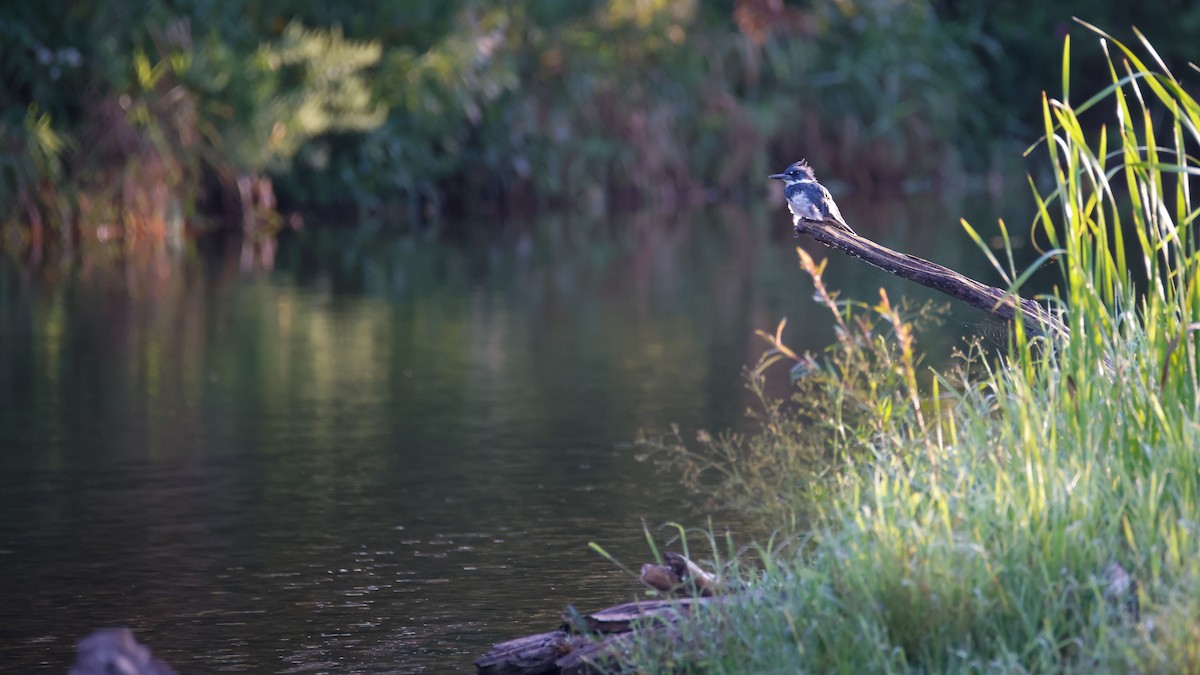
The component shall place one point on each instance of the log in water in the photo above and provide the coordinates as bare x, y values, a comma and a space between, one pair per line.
586, 643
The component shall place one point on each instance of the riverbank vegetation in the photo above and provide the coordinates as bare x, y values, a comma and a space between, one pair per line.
153, 121
1038, 513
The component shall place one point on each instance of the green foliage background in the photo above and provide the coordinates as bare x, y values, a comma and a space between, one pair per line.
414, 108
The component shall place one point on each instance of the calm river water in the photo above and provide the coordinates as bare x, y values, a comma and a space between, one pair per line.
390, 451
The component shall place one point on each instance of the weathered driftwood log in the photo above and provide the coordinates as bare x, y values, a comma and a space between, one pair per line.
597, 656
622, 618
532, 654
587, 643
1037, 318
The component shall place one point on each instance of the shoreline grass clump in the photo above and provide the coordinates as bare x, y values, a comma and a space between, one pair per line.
1036, 514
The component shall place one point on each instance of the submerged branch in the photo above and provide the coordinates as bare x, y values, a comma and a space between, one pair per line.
990, 299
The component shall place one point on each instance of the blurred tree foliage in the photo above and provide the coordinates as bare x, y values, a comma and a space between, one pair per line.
143, 113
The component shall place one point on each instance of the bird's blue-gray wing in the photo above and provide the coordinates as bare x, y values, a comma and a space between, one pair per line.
834, 212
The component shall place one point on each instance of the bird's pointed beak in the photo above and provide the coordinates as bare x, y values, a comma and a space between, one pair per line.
778, 176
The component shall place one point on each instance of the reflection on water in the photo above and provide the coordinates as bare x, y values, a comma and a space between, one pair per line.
389, 453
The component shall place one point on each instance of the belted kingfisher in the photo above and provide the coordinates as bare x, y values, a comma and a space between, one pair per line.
807, 199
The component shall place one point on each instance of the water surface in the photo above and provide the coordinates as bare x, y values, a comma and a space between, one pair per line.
392, 450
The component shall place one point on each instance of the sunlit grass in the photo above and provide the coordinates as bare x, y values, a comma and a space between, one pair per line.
1036, 515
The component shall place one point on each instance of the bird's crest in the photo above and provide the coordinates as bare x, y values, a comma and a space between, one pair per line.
803, 167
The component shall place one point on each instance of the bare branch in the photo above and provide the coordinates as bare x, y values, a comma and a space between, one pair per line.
1008, 306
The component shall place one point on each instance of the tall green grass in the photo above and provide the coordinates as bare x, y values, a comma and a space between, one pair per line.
1040, 514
